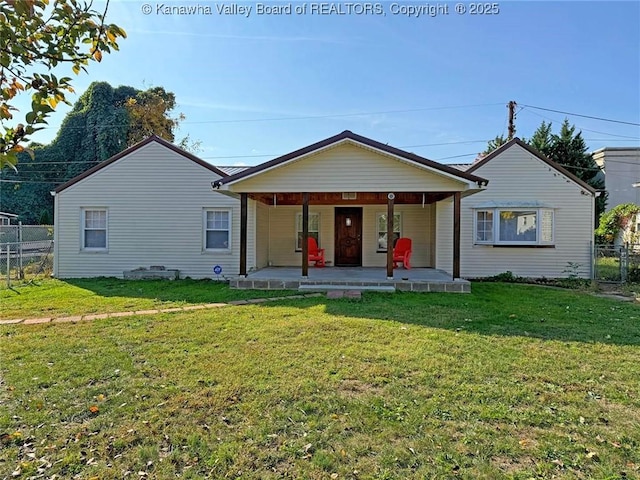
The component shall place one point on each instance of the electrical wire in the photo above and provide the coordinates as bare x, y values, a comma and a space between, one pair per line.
583, 116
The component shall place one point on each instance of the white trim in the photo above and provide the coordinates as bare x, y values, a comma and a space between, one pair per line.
296, 231
229, 231
378, 215
539, 215
83, 229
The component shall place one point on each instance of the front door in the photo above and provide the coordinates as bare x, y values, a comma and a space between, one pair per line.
348, 237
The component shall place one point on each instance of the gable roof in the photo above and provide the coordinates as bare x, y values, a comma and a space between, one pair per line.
341, 137
537, 154
137, 146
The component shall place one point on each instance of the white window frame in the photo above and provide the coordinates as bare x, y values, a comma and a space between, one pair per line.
379, 249
298, 229
495, 232
84, 229
229, 231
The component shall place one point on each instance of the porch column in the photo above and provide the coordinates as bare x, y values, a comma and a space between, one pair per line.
456, 235
305, 235
243, 234
390, 200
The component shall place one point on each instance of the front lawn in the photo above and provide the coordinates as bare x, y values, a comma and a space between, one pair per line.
57, 298
511, 381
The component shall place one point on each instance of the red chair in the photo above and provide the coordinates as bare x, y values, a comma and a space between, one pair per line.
402, 253
315, 254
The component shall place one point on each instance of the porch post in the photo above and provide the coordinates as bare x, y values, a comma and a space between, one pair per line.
456, 235
243, 234
305, 235
390, 199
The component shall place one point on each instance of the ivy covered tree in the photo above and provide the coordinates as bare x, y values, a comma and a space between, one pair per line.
37, 36
103, 122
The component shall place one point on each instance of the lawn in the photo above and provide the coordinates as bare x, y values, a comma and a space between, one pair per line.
511, 381
55, 298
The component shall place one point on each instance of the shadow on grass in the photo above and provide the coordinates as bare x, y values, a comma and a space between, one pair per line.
491, 309
505, 310
187, 290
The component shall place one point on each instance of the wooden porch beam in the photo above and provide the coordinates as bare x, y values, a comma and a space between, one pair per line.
390, 201
456, 235
243, 233
305, 235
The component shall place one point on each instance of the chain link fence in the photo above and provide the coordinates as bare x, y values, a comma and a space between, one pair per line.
26, 252
617, 263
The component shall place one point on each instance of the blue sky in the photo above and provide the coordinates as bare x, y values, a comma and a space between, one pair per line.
258, 87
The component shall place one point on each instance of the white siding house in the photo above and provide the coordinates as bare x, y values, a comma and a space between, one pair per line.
535, 219
151, 205
155, 204
621, 167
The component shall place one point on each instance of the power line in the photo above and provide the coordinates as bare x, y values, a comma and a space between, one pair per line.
584, 116
304, 117
585, 129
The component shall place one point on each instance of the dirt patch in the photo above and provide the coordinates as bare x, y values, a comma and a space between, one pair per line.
353, 388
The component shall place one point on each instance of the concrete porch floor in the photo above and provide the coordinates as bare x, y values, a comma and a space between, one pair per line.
352, 278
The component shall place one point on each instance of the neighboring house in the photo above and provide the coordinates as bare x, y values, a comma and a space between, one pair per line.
7, 218
621, 167
154, 204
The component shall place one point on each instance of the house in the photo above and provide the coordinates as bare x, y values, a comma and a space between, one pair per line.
7, 218
154, 204
621, 167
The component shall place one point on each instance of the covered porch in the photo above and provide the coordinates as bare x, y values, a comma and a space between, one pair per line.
354, 197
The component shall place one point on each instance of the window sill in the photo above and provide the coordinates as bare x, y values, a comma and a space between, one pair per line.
381, 251
221, 251
94, 250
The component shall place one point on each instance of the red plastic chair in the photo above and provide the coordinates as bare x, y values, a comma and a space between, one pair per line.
402, 253
315, 254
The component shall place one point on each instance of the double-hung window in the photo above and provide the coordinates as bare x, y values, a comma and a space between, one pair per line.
217, 229
381, 223
314, 229
94, 229
514, 226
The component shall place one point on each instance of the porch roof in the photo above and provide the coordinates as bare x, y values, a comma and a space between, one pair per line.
462, 180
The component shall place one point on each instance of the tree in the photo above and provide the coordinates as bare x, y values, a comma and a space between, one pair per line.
494, 144
148, 113
542, 138
35, 38
569, 150
100, 125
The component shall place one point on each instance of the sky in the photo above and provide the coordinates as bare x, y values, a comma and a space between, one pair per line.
253, 87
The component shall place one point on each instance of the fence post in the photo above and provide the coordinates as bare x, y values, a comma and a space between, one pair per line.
8, 265
20, 269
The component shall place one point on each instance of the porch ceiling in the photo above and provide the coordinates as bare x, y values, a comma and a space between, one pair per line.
362, 198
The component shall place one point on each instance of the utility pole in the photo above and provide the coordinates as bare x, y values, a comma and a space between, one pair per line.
512, 116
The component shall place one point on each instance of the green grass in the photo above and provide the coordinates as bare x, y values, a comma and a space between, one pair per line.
608, 269
511, 381
58, 298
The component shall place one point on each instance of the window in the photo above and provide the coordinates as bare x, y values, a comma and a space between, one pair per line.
314, 228
217, 230
382, 230
507, 226
94, 229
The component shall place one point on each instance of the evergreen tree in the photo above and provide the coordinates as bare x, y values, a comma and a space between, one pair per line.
494, 144
569, 150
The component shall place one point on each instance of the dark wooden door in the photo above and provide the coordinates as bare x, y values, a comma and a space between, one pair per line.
348, 237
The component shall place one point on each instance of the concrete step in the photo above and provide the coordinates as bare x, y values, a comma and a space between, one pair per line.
362, 288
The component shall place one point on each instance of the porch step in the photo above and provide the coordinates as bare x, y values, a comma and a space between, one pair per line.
327, 287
